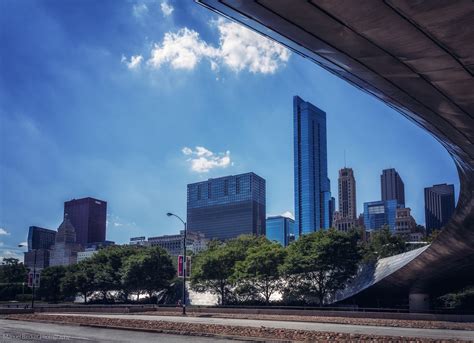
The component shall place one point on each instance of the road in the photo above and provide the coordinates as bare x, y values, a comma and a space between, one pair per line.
16, 331
325, 327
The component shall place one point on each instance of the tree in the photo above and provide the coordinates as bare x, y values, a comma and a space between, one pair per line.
213, 268
383, 244
50, 285
151, 270
320, 263
109, 275
11, 271
80, 278
261, 269
12, 278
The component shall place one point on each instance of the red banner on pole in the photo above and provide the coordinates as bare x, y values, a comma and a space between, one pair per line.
180, 266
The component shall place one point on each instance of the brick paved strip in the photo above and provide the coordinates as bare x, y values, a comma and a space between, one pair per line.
415, 324
222, 331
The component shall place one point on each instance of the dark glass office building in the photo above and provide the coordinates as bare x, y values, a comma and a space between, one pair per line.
40, 241
40, 238
377, 214
280, 229
392, 186
312, 187
88, 216
439, 206
227, 207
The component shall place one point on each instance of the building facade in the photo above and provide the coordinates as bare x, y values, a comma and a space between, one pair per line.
173, 244
65, 248
378, 214
392, 186
439, 206
346, 216
405, 224
312, 185
88, 216
226, 207
40, 241
280, 229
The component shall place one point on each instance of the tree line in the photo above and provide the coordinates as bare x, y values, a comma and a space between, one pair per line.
252, 269
247, 269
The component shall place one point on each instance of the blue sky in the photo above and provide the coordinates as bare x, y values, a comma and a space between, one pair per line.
129, 101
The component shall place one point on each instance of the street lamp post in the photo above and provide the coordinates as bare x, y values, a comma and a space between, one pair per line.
169, 214
33, 281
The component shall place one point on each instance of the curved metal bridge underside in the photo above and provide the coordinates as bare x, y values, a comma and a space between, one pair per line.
417, 57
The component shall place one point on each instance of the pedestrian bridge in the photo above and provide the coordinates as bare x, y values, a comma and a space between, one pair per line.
417, 57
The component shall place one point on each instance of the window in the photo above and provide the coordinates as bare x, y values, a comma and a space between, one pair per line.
209, 190
199, 192
226, 187
237, 185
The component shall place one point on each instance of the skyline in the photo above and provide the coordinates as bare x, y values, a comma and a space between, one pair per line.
75, 132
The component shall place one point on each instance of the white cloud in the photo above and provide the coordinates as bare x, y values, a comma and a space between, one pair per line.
139, 10
10, 254
239, 49
203, 160
118, 222
166, 8
182, 50
134, 63
4, 232
24, 244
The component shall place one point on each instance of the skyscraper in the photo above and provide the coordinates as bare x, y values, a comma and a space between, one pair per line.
40, 238
377, 214
312, 186
439, 206
346, 217
392, 186
40, 241
227, 207
280, 229
88, 216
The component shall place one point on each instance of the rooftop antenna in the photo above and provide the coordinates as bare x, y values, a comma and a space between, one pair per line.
344, 158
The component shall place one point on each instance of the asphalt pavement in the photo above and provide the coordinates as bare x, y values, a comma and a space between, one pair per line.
17, 331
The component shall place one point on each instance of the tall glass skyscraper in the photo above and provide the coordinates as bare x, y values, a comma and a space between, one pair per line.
312, 186
227, 207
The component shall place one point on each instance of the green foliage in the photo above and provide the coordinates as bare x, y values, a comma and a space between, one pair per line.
322, 262
462, 300
260, 271
11, 271
213, 268
79, 278
13, 276
149, 271
50, 284
383, 244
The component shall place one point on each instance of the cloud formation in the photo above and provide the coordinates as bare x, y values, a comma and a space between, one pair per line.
239, 49
134, 63
166, 8
139, 10
4, 232
203, 160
